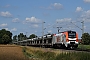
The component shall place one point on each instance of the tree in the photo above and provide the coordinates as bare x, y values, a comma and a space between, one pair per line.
21, 36
5, 36
5, 39
32, 36
15, 38
85, 38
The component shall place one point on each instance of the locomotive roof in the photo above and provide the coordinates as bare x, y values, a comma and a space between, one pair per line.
68, 31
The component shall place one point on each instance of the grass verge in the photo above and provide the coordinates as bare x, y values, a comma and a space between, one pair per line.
84, 48
39, 54
28, 55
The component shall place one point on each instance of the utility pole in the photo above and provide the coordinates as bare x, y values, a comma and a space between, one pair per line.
82, 27
59, 29
42, 33
17, 39
26, 38
26, 35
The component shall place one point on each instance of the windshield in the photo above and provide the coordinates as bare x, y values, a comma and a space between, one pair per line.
72, 34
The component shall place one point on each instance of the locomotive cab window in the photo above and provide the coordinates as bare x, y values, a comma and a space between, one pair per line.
72, 34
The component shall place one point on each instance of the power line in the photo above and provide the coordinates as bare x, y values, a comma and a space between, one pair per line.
79, 27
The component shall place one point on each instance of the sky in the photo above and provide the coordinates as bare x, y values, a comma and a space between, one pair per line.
37, 16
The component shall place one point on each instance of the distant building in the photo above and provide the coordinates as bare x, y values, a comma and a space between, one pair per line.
80, 41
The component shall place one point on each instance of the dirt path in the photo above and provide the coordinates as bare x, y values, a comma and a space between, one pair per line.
11, 52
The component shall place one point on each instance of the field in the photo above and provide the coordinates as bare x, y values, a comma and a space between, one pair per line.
14, 52
11, 52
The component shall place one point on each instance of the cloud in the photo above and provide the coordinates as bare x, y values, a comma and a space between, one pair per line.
49, 31
65, 23
3, 25
9, 6
64, 20
56, 6
86, 1
15, 20
85, 16
6, 28
14, 29
35, 25
78, 9
32, 20
46, 14
5, 14
6, 6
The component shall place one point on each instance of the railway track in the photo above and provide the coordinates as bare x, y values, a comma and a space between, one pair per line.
63, 49
84, 50
76, 50
70, 50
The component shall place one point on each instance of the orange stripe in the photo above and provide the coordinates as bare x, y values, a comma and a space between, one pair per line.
76, 37
66, 33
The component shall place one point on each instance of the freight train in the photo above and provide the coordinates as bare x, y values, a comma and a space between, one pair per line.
67, 39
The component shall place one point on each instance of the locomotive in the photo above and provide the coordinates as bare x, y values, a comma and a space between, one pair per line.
67, 39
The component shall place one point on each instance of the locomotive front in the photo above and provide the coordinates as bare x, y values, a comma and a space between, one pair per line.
71, 39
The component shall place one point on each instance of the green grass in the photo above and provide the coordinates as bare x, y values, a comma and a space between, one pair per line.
48, 55
73, 56
28, 55
84, 47
44, 55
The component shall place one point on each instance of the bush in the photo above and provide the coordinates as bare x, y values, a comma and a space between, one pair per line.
86, 39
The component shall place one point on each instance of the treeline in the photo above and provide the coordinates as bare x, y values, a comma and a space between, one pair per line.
6, 37
21, 37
